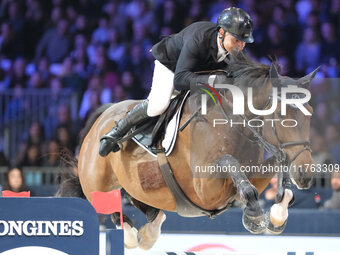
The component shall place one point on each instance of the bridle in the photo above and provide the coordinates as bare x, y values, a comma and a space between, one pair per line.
305, 144
278, 152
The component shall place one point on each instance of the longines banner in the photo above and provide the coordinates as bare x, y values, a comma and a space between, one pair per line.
54, 226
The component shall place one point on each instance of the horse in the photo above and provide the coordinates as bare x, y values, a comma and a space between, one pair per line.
138, 172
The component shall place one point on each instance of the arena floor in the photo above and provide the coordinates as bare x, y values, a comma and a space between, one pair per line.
209, 244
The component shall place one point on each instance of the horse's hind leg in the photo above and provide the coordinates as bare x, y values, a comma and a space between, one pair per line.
148, 234
149, 211
253, 216
130, 232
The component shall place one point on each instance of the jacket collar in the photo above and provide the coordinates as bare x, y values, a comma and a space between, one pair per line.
221, 52
213, 47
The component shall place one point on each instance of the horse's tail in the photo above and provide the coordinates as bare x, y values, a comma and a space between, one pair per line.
69, 180
69, 185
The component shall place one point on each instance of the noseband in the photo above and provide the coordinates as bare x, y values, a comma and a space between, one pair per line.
283, 158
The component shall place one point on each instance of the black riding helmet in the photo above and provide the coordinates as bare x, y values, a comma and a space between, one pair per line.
237, 22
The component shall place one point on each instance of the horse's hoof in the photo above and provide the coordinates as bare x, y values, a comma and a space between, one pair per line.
255, 225
130, 236
274, 229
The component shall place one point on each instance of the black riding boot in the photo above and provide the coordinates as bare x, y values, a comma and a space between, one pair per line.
108, 142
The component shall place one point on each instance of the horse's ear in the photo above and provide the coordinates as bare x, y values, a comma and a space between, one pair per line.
306, 80
274, 75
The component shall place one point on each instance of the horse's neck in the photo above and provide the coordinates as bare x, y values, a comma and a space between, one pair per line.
260, 97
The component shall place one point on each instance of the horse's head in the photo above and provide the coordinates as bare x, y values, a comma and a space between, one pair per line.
290, 130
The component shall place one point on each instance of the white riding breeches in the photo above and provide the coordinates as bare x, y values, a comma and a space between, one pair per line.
161, 89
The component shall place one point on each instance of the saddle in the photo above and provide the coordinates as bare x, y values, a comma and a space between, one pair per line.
159, 134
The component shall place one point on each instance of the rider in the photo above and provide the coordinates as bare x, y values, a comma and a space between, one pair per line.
199, 47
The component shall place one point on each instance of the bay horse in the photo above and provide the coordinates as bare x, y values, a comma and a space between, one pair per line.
204, 144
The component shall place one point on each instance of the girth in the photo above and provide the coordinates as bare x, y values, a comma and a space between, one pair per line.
184, 206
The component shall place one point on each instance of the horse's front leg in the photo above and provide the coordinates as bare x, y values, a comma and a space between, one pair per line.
253, 216
278, 213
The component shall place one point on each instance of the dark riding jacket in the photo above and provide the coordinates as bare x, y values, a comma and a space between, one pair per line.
191, 50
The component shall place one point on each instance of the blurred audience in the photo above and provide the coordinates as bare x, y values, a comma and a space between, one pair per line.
32, 156
65, 139
308, 52
333, 141
52, 158
55, 43
320, 151
3, 159
270, 193
15, 181
334, 201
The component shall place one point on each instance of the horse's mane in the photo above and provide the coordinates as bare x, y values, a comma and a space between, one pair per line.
246, 72
89, 123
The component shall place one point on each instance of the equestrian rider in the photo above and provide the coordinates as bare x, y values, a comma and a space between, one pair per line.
201, 46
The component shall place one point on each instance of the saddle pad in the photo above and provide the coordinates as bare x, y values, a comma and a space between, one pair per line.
169, 140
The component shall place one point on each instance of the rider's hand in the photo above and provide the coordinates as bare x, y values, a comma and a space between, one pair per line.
220, 79
211, 80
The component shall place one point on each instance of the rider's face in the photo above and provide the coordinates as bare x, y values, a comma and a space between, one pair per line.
231, 44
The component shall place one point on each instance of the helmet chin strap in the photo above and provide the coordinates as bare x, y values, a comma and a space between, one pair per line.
222, 39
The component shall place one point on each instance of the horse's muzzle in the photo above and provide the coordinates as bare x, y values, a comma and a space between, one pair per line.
302, 178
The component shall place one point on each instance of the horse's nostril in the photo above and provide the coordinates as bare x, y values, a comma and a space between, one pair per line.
304, 178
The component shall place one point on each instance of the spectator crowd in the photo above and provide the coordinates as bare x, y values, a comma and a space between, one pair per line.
100, 51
